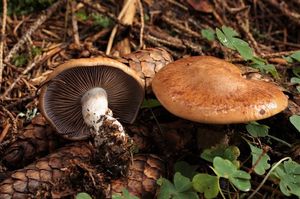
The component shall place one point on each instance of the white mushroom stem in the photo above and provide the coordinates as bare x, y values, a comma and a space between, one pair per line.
94, 105
118, 132
110, 140
95, 110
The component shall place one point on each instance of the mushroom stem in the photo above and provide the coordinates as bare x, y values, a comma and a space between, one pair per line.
109, 135
94, 106
112, 145
95, 110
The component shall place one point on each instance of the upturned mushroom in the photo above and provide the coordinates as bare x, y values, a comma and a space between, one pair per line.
83, 98
80, 98
210, 90
80, 94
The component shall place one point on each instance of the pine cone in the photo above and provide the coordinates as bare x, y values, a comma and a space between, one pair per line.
37, 179
36, 140
147, 63
142, 175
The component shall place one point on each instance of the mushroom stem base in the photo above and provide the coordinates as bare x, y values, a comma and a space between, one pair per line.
113, 145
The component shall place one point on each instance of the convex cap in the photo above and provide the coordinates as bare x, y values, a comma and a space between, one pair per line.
210, 90
60, 98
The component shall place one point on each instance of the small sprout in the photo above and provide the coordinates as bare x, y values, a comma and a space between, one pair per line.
288, 172
20, 60
101, 20
185, 169
150, 103
257, 130
288, 59
296, 71
263, 66
259, 160
83, 195
207, 184
146, 17
225, 169
81, 15
230, 153
229, 38
295, 120
296, 55
182, 188
296, 80
208, 34
35, 51
293, 57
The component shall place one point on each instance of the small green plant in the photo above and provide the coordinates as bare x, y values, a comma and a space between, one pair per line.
20, 60
185, 169
83, 195
150, 103
295, 57
146, 17
288, 172
223, 168
296, 81
257, 130
182, 188
35, 51
26, 6
260, 160
229, 38
206, 184
295, 120
208, 34
230, 153
226, 169
101, 20
125, 195
81, 15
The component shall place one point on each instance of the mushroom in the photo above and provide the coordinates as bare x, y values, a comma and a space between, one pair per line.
210, 90
81, 96
82, 93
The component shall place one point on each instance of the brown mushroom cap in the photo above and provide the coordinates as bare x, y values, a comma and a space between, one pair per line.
210, 90
60, 98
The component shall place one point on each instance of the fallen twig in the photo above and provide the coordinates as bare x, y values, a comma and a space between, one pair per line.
4, 2
282, 6
74, 24
142, 23
177, 25
12, 118
41, 19
114, 31
30, 66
